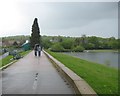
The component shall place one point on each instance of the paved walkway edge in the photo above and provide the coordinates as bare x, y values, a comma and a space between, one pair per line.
80, 85
8, 65
5, 66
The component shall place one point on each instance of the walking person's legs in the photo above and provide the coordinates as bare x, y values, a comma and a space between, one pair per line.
35, 53
39, 53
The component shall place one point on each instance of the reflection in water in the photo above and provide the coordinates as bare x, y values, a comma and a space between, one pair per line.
108, 58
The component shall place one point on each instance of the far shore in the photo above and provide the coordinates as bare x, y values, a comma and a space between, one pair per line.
101, 50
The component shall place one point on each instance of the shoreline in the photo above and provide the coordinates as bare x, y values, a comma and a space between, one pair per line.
102, 50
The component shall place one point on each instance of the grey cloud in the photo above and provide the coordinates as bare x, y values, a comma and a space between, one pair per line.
67, 15
75, 18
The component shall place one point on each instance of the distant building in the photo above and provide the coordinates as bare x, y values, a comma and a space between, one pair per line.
54, 40
26, 45
6, 43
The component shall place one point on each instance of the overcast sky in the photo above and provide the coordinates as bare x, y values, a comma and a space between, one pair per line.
59, 18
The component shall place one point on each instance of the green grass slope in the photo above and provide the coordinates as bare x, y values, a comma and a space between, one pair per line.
103, 79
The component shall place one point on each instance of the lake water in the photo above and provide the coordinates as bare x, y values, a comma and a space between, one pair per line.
106, 58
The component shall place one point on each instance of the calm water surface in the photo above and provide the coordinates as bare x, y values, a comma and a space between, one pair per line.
106, 58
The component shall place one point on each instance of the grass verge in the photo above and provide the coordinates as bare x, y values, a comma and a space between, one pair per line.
9, 59
103, 79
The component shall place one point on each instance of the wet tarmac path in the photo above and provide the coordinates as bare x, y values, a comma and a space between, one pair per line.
33, 75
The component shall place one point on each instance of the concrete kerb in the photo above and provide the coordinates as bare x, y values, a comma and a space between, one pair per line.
7, 65
80, 86
10, 63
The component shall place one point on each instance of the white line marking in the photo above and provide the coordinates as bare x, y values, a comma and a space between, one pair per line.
35, 84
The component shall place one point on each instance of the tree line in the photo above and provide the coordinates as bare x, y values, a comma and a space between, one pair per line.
65, 44
79, 44
62, 43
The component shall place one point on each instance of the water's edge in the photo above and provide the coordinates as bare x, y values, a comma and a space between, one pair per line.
106, 58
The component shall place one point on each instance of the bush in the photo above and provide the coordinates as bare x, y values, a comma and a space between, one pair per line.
57, 48
79, 49
67, 44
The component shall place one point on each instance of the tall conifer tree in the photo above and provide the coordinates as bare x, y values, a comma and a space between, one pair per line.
35, 35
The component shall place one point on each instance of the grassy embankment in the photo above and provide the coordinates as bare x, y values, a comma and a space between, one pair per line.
9, 59
103, 79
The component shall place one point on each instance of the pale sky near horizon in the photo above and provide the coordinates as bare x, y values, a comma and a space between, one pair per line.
59, 18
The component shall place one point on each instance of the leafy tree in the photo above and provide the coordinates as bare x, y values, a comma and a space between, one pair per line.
114, 44
105, 45
78, 49
90, 46
60, 39
57, 48
94, 40
77, 41
46, 43
118, 43
35, 35
67, 44
83, 40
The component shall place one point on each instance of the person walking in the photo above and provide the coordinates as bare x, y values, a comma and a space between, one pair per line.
37, 50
